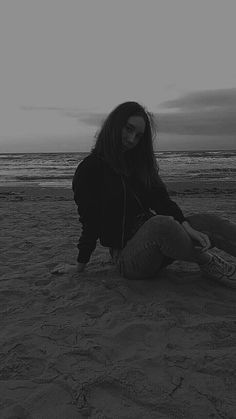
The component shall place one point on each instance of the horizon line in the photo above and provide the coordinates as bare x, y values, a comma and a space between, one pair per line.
87, 152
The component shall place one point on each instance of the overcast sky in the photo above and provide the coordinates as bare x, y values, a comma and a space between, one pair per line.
66, 63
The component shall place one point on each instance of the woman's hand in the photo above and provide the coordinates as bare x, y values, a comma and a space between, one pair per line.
80, 267
67, 268
202, 239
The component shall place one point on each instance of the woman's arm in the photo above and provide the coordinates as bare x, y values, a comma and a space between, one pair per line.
202, 240
86, 188
81, 267
163, 204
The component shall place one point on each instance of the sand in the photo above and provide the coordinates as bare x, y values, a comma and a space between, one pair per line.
95, 345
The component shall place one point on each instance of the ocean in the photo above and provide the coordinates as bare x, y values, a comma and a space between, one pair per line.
57, 169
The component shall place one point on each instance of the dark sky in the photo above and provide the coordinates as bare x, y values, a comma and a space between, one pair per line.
209, 112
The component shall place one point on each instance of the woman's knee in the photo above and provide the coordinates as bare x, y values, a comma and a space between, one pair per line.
164, 223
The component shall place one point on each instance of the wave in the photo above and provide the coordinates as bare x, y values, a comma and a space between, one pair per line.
28, 178
216, 169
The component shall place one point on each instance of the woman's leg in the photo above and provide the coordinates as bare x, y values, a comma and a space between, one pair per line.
159, 237
221, 231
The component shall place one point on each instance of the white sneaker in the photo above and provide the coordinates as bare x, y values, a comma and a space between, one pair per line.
220, 270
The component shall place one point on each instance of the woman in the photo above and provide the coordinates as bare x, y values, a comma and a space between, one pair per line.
123, 202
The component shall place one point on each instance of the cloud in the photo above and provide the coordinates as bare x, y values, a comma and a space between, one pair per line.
222, 98
89, 118
209, 112
41, 108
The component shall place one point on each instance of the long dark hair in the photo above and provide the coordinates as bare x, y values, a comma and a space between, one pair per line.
139, 162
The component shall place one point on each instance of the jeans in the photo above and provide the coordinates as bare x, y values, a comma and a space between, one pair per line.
161, 240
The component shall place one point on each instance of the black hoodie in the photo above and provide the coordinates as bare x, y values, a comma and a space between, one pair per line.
107, 206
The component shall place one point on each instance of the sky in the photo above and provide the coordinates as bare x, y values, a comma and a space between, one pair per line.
65, 64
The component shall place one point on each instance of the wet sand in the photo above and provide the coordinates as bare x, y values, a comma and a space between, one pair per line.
94, 345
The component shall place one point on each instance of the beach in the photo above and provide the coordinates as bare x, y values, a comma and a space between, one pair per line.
95, 345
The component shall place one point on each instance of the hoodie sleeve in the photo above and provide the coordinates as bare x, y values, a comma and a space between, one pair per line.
86, 187
163, 204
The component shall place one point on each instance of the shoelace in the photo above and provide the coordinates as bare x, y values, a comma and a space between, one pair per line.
221, 266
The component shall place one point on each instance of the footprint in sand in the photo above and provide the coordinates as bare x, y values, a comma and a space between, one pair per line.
20, 364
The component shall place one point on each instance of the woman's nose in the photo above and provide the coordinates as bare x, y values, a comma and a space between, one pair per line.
131, 138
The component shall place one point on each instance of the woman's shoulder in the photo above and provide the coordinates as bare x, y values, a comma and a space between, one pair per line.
91, 161
88, 171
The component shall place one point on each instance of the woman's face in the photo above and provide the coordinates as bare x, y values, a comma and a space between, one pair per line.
132, 132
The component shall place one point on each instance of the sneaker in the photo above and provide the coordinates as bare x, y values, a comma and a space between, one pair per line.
220, 270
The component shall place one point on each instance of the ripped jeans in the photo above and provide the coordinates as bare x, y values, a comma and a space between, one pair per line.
161, 240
